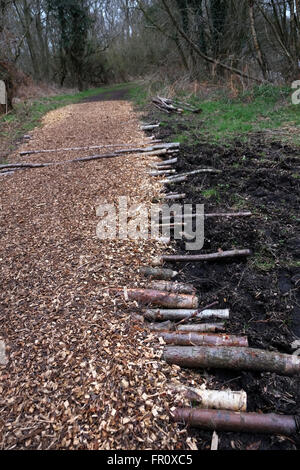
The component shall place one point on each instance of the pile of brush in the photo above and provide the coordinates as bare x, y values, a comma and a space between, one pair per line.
173, 106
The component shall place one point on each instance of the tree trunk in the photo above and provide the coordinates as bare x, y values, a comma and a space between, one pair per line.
259, 56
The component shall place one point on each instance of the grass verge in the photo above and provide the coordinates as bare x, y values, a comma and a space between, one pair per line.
265, 109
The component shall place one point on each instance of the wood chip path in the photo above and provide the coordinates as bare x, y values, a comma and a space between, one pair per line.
82, 373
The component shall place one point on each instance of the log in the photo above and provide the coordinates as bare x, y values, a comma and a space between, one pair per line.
95, 147
164, 299
217, 399
231, 421
162, 239
161, 172
166, 325
180, 314
176, 287
165, 167
195, 172
211, 215
158, 273
177, 179
200, 327
172, 161
172, 224
175, 197
118, 153
230, 214
161, 108
204, 327
188, 107
232, 358
166, 105
6, 173
150, 127
206, 257
183, 338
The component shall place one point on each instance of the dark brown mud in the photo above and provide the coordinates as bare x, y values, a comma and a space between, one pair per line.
262, 291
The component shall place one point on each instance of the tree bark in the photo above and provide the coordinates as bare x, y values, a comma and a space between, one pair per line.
158, 273
231, 421
182, 338
259, 56
211, 215
181, 314
218, 399
203, 327
175, 287
232, 358
164, 299
207, 257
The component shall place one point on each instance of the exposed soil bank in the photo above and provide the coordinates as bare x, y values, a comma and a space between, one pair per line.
262, 292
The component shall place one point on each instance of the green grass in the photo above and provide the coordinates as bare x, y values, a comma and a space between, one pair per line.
263, 262
138, 94
210, 193
223, 118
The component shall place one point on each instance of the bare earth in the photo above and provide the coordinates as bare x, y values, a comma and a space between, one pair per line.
82, 373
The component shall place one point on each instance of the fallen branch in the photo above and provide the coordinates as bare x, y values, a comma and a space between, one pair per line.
186, 106
195, 172
91, 147
163, 326
167, 162
193, 315
161, 172
180, 314
172, 224
166, 105
158, 273
150, 127
218, 399
148, 151
232, 421
211, 215
202, 327
197, 328
164, 299
174, 197
176, 179
206, 257
181, 338
175, 287
232, 358
162, 167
